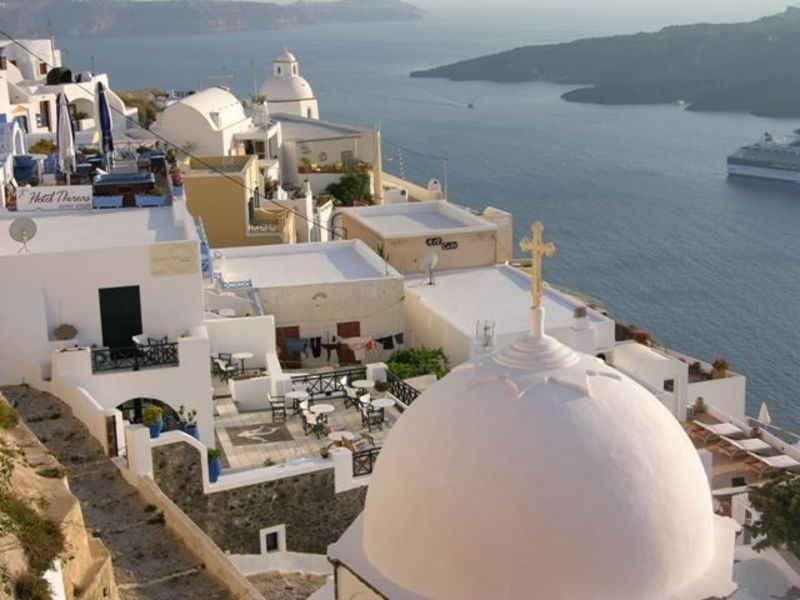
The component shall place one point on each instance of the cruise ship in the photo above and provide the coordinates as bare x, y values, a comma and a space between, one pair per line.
769, 158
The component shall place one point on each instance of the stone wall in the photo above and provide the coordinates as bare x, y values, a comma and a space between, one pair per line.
313, 513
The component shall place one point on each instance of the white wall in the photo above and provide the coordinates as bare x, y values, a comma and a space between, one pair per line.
188, 384
50, 289
426, 327
244, 334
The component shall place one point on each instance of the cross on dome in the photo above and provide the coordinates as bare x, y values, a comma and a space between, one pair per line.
538, 249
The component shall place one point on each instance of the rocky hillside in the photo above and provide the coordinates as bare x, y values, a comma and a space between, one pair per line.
30, 18
748, 67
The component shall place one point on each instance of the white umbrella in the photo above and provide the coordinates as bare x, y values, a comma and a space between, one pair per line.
65, 137
763, 415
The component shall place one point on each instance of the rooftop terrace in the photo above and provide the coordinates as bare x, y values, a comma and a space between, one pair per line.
302, 264
418, 219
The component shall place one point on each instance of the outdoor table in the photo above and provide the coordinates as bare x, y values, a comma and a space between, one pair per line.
364, 384
381, 403
241, 356
338, 436
322, 409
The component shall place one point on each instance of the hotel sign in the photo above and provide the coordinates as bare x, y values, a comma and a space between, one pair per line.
178, 258
54, 197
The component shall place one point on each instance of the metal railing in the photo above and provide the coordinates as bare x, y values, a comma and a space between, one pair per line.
329, 384
135, 358
364, 461
401, 390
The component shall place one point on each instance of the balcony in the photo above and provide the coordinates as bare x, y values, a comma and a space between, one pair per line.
135, 358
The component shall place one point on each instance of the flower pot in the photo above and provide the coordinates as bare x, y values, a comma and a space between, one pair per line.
214, 469
193, 431
155, 428
181, 426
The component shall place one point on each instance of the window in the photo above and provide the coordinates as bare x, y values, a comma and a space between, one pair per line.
347, 157
271, 542
42, 68
261, 149
273, 539
3, 62
294, 69
279, 70
669, 385
308, 113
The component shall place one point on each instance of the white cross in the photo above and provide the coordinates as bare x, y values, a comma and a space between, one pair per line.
538, 249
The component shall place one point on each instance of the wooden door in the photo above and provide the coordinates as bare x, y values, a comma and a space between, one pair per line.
120, 315
347, 330
289, 360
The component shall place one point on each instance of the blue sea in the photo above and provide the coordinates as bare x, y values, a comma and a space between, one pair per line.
635, 197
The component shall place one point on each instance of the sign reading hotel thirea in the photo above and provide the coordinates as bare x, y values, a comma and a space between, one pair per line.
54, 197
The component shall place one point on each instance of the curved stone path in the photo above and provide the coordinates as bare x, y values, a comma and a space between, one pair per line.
150, 562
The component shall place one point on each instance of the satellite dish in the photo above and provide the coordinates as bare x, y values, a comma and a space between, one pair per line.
427, 263
22, 230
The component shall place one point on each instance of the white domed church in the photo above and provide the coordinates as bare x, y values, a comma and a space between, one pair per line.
287, 92
537, 473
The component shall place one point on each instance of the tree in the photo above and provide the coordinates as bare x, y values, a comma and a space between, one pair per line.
350, 189
778, 502
418, 361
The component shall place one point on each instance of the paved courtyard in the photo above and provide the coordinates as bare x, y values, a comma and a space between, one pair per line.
249, 440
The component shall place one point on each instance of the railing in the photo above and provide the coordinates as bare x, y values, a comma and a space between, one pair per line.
364, 461
401, 390
135, 358
265, 227
329, 384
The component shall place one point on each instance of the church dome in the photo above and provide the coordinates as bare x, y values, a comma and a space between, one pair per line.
284, 89
543, 473
285, 56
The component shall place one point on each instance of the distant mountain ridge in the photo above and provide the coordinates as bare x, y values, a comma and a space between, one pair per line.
30, 18
750, 67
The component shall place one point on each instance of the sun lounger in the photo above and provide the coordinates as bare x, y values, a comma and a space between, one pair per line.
706, 432
761, 464
731, 447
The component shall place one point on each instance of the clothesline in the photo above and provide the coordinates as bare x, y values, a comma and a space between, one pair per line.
358, 345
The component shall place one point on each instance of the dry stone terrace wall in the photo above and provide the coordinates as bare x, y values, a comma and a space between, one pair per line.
313, 513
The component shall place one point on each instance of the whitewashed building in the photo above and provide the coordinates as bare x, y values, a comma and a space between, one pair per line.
287, 92
30, 81
471, 313
319, 293
87, 282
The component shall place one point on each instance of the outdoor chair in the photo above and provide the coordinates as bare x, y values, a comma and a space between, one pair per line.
733, 448
761, 464
706, 433
309, 422
278, 408
226, 370
350, 397
370, 417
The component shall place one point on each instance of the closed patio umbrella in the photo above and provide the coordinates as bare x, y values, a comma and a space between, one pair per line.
65, 137
763, 415
104, 124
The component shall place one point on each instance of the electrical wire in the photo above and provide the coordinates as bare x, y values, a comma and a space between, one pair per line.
197, 159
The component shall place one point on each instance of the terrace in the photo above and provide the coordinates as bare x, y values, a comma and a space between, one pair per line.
256, 438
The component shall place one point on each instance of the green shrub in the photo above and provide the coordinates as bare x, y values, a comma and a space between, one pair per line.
213, 453
41, 539
418, 361
32, 586
351, 188
151, 414
8, 416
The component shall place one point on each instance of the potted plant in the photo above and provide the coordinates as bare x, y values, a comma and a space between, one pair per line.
152, 417
191, 424
176, 176
324, 452
214, 464
720, 369
381, 387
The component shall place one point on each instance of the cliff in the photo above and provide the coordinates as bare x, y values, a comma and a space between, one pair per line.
32, 18
749, 67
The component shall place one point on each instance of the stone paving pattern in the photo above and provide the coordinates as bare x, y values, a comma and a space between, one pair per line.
150, 562
230, 426
287, 586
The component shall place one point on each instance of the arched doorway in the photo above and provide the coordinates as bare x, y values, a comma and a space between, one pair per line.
132, 412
